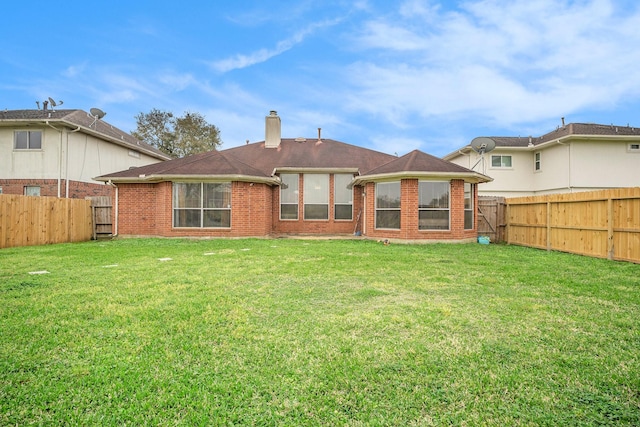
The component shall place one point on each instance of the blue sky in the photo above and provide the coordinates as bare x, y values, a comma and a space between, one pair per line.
388, 75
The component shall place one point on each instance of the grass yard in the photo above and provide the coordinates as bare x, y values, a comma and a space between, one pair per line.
316, 333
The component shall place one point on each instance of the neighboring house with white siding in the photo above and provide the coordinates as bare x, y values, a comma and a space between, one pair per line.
574, 157
57, 153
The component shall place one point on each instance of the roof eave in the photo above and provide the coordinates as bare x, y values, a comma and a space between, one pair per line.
155, 178
472, 177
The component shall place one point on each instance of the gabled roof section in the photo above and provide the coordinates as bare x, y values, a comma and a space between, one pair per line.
571, 130
212, 165
418, 164
79, 118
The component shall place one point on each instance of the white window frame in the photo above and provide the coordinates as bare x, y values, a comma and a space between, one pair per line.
201, 209
289, 190
340, 192
425, 206
633, 147
32, 190
18, 133
537, 161
469, 209
502, 166
389, 209
316, 196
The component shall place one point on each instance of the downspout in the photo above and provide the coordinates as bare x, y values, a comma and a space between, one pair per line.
66, 169
114, 232
59, 156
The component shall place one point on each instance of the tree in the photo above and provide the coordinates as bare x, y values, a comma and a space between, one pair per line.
177, 136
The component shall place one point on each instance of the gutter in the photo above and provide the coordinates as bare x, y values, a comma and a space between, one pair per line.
474, 178
59, 157
142, 178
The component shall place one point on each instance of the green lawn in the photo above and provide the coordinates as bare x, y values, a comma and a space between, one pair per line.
309, 332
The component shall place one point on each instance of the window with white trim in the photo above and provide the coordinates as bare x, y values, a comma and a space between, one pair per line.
499, 161
634, 147
537, 161
316, 196
342, 197
31, 190
468, 206
433, 205
202, 204
28, 140
289, 196
388, 205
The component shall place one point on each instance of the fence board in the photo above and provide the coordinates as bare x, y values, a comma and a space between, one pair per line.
603, 224
28, 220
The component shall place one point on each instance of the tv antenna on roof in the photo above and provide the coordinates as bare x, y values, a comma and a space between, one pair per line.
97, 114
482, 145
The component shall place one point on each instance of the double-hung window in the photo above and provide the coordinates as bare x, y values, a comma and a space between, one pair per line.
388, 205
343, 197
289, 196
27, 140
202, 205
433, 205
537, 161
316, 196
468, 206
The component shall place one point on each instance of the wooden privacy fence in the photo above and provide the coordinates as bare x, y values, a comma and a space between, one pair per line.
491, 217
27, 221
603, 224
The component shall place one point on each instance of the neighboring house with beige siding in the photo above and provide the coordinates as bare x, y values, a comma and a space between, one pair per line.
58, 152
575, 157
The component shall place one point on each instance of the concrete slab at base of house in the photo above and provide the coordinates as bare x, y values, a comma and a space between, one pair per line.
311, 237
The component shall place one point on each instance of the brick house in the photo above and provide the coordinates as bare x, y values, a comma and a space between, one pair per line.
57, 152
283, 186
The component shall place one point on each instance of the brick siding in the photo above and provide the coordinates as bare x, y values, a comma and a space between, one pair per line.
146, 210
49, 187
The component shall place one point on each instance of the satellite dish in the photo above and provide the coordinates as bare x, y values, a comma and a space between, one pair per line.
97, 113
52, 102
483, 144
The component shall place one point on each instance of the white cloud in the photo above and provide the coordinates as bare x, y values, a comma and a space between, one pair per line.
496, 61
240, 61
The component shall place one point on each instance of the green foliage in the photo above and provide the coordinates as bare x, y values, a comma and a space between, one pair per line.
177, 136
309, 332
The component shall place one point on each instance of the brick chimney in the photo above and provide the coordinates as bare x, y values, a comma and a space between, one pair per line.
273, 130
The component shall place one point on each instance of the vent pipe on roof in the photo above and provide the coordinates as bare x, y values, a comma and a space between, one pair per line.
562, 121
273, 130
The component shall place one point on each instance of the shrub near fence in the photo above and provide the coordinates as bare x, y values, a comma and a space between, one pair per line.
27, 221
603, 224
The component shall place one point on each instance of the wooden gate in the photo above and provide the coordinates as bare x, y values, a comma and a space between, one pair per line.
492, 218
101, 210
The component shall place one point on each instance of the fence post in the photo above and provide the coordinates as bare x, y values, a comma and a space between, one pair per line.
548, 226
610, 248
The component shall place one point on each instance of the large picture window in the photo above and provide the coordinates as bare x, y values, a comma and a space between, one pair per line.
343, 197
289, 196
468, 206
433, 205
28, 140
388, 205
316, 196
202, 205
